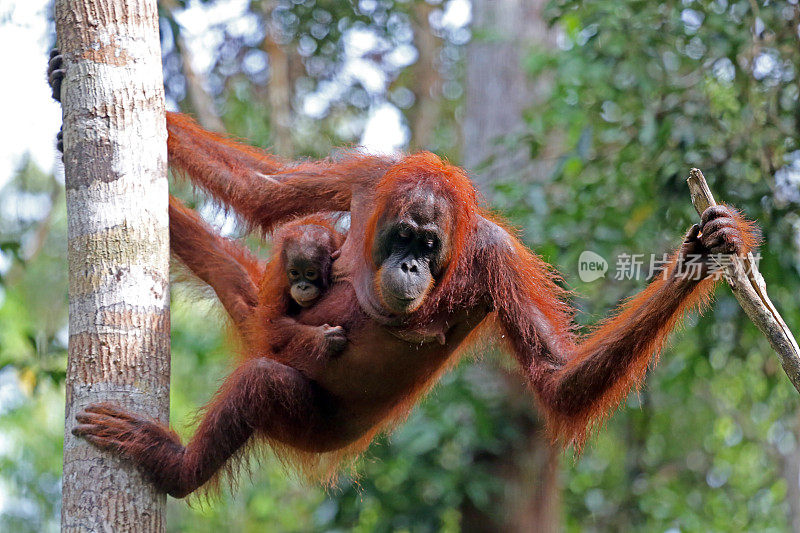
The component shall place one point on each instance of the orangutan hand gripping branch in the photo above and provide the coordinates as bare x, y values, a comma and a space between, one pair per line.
422, 273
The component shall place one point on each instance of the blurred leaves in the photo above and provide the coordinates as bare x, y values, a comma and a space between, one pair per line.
642, 92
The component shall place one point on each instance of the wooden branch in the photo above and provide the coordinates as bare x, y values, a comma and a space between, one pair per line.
748, 286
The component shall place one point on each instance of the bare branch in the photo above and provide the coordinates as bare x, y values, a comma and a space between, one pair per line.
749, 288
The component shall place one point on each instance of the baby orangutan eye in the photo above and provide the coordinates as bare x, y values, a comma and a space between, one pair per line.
311, 275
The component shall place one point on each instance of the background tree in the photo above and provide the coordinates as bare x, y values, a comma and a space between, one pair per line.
118, 248
498, 92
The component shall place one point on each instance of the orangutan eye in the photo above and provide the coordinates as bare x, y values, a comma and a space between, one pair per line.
294, 273
404, 236
311, 275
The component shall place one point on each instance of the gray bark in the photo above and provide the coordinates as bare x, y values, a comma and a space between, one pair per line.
115, 165
498, 90
202, 103
279, 89
424, 116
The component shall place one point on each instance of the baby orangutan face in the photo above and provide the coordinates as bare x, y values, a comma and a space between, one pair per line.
308, 255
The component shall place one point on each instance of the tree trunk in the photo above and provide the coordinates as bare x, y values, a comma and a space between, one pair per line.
498, 92
202, 103
115, 165
279, 89
424, 116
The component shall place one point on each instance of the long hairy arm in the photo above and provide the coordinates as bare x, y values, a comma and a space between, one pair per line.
579, 380
262, 189
229, 268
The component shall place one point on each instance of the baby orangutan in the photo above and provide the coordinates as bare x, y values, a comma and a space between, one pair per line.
296, 276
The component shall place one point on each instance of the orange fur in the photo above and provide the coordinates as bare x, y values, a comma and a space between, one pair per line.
316, 411
269, 333
424, 170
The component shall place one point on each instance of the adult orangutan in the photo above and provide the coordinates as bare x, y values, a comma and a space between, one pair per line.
424, 270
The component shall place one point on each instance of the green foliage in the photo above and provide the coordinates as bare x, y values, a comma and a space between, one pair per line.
641, 93
32, 350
